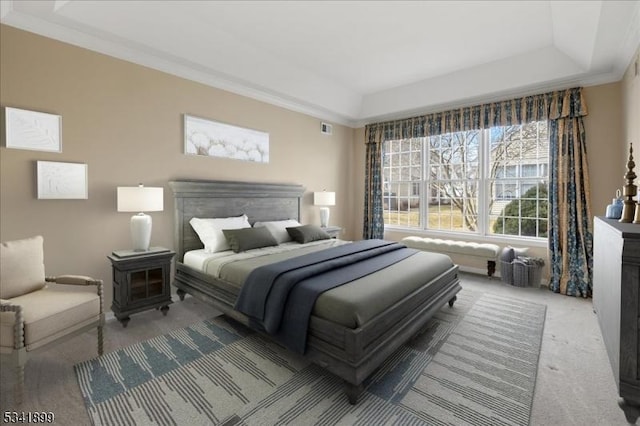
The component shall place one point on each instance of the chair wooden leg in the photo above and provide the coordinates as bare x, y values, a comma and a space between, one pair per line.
491, 268
19, 387
100, 340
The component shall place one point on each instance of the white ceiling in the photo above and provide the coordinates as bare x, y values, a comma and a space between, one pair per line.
354, 62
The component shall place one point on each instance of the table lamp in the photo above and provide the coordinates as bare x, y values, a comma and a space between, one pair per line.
140, 199
324, 199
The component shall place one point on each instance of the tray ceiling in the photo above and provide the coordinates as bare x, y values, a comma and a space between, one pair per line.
354, 62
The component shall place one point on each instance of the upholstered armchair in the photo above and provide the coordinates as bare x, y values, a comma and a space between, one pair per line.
34, 317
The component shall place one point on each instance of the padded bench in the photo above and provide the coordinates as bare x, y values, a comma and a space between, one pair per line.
482, 252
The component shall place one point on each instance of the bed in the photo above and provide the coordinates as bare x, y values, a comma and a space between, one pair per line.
349, 348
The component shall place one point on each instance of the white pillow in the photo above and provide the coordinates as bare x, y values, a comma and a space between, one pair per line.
210, 231
278, 228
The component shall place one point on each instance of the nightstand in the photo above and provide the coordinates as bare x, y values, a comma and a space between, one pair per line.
333, 231
141, 281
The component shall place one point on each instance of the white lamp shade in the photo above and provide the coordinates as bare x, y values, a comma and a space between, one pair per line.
324, 198
140, 199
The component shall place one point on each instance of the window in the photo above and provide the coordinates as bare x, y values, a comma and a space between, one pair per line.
488, 182
402, 174
454, 180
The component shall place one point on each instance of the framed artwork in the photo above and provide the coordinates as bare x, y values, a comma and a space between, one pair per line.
33, 130
214, 139
62, 181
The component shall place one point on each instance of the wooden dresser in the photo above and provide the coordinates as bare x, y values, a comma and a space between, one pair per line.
616, 300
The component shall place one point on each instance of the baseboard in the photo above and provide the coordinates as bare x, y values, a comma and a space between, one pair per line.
496, 275
477, 271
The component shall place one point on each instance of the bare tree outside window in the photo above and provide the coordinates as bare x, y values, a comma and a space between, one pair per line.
435, 182
454, 161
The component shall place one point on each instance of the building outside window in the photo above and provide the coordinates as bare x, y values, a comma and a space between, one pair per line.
488, 182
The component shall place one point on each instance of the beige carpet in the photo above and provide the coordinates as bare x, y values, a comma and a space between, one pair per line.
574, 386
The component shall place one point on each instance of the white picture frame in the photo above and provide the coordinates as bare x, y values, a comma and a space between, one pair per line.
62, 181
214, 139
37, 131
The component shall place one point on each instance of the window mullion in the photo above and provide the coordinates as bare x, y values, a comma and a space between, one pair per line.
424, 199
483, 191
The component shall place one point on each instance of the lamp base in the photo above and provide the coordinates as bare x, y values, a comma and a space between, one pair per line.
324, 217
140, 231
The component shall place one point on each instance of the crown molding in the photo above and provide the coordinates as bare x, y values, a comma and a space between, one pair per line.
183, 69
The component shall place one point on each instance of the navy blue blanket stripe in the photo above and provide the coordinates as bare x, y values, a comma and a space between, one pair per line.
259, 284
299, 305
279, 298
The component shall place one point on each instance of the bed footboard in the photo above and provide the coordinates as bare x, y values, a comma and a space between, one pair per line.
364, 349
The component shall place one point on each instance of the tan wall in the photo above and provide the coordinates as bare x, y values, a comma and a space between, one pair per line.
605, 143
631, 111
125, 122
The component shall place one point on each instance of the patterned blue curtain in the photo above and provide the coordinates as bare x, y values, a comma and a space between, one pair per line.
373, 219
504, 113
570, 234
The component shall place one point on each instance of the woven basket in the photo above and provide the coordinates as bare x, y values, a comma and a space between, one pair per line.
535, 275
520, 274
527, 272
506, 272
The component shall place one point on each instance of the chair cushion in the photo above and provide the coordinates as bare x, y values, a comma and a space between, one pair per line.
21, 267
50, 314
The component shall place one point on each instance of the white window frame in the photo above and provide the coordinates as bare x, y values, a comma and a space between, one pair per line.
483, 221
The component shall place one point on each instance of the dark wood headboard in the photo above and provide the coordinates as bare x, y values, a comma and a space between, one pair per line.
211, 199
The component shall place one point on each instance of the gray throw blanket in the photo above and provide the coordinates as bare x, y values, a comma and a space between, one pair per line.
279, 298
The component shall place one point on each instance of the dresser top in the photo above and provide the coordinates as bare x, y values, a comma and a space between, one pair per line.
628, 230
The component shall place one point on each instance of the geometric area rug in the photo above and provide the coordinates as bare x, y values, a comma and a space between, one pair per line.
473, 364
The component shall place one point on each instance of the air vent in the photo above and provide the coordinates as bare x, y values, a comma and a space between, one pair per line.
326, 129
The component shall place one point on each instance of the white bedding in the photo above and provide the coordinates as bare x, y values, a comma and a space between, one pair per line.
211, 263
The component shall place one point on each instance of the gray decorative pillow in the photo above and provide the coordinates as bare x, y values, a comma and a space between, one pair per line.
249, 238
507, 255
307, 233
